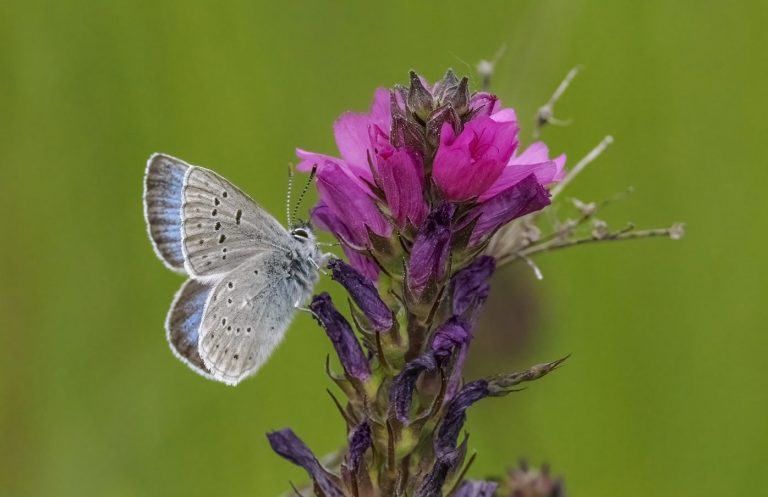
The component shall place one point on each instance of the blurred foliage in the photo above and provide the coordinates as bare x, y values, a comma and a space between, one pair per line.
665, 393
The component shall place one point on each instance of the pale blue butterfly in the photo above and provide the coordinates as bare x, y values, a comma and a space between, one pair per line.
247, 272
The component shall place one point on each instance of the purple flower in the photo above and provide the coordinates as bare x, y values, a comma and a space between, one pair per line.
364, 294
345, 342
350, 201
401, 178
432, 484
476, 488
455, 415
359, 442
401, 392
324, 218
516, 201
431, 250
466, 165
448, 337
453, 334
289, 446
469, 291
470, 285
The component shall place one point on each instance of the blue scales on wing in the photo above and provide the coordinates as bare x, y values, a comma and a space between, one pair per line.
163, 199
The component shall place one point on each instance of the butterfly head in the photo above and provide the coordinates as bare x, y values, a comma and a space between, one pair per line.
302, 231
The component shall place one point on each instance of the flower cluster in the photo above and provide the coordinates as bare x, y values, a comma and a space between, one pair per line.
424, 182
430, 170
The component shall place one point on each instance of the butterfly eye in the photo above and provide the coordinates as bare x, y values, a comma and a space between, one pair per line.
300, 233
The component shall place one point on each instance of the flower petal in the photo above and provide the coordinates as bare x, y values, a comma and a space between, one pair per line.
288, 445
518, 200
325, 219
450, 335
455, 415
345, 342
470, 285
533, 160
484, 104
402, 180
505, 115
364, 294
465, 166
401, 391
431, 250
351, 203
359, 442
432, 484
476, 488
352, 132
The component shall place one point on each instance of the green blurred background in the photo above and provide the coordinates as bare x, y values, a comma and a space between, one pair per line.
666, 391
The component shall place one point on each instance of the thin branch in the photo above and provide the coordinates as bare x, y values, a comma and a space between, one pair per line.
583, 163
675, 233
546, 113
486, 68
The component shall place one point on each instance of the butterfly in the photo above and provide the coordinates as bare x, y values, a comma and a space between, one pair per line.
247, 273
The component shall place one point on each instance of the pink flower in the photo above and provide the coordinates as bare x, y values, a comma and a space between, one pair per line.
466, 165
325, 219
401, 178
534, 160
352, 132
381, 185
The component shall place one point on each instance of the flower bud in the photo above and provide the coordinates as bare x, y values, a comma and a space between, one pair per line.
359, 442
452, 334
476, 488
431, 250
455, 415
470, 286
432, 484
502, 384
363, 293
419, 98
286, 444
445, 86
524, 481
406, 133
460, 98
441, 116
345, 342
401, 178
401, 392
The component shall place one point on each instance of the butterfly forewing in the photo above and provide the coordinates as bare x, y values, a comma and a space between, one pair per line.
163, 185
222, 226
247, 315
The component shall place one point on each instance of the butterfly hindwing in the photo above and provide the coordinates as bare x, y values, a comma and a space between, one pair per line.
182, 326
247, 315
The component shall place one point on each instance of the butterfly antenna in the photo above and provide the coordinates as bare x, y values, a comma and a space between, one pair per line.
304, 190
289, 218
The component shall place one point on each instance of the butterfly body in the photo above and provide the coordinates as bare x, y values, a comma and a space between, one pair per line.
247, 272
